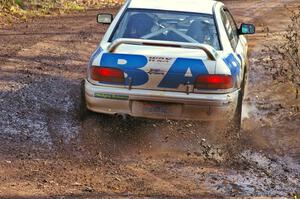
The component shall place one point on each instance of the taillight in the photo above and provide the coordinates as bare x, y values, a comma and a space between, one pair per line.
214, 82
107, 75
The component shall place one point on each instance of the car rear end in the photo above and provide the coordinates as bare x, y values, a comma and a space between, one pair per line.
159, 86
162, 73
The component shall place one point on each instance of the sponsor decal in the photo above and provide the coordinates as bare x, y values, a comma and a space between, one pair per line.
178, 72
156, 71
160, 59
132, 65
182, 71
112, 96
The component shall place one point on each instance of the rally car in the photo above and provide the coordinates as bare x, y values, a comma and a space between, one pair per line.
166, 59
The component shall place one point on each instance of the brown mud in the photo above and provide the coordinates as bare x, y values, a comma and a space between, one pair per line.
46, 152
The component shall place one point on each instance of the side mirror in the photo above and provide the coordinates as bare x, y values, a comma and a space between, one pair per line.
246, 29
105, 18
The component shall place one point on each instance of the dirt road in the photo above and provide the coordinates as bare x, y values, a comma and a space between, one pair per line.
46, 152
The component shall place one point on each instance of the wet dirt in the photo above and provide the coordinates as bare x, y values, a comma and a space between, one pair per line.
46, 152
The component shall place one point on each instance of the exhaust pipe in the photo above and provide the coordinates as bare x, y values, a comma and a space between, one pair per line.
122, 116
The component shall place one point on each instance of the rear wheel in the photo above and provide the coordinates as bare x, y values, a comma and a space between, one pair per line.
83, 111
237, 118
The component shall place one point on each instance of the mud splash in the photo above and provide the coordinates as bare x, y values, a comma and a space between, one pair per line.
46, 151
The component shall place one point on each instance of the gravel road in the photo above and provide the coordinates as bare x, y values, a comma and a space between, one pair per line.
46, 152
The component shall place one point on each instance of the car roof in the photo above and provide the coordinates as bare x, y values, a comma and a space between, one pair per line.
197, 6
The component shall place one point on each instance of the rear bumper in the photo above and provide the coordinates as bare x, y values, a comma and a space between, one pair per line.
160, 104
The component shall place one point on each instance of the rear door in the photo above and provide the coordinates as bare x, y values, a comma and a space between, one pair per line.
237, 43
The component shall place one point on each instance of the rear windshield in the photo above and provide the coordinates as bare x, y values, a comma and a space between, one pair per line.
167, 26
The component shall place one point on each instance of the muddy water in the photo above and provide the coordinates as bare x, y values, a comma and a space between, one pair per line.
47, 152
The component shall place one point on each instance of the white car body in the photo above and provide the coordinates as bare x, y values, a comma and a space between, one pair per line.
150, 90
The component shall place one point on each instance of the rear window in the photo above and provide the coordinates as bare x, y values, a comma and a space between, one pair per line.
167, 26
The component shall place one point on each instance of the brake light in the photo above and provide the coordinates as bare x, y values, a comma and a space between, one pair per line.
107, 75
214, 82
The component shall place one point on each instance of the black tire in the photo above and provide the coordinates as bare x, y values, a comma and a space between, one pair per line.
237, 118
83, 111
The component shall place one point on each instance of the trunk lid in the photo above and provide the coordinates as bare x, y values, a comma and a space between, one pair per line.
163, 66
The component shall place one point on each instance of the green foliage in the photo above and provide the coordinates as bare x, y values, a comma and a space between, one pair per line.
19, 3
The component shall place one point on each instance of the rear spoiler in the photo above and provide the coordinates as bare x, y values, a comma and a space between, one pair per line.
210, 51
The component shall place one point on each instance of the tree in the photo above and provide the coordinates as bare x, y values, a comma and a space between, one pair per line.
284, 60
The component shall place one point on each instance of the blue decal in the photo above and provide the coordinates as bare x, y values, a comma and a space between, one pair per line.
240, 57
94, 55
177, 73
234, 65
130, 64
